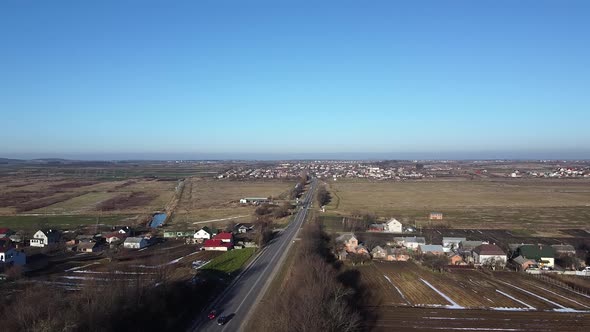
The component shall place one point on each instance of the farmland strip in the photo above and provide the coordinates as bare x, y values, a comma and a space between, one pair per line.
398, 290
515, 299
537, 296
454, 305
564, 297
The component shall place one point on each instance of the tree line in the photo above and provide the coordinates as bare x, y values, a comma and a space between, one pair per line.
318, 294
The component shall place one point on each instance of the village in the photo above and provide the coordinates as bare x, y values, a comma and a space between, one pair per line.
453, 251
51, 254
406, 170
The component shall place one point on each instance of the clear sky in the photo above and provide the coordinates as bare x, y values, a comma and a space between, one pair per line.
149, 79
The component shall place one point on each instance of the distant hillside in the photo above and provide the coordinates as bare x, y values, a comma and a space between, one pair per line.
8, 161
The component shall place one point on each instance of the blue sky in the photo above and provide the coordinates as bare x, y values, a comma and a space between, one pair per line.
150, 79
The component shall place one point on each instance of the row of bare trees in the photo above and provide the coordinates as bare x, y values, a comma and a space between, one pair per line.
317, 294
132, 303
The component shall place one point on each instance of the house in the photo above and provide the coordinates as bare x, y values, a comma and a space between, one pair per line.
6, 233
564, 249
71, 245
379, 253
115, 237
393, 226
216, 244
434, 249
377, 228
349, 241
466, 249
524, 264
468, 246
456, 259
177, 234
410, 242
204, 233
362, 250
10, 255
135, 243
16, 238
225, 237
45, 238
389, 254
435, 216
87, 246
243, 228
397, 254
125, 230
489, 254
544, 255
255, 200
452, 243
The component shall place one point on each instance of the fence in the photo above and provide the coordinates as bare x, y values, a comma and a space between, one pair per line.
584, 291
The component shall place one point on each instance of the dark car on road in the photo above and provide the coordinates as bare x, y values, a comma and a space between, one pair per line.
222, 320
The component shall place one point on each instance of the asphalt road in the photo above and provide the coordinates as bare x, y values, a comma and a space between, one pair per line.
240, 298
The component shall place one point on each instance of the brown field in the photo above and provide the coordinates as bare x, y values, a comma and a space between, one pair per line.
57, 196
401, 291
204, 200
469, 204
171, 259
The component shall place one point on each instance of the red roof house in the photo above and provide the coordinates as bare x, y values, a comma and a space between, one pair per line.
215, 244
5, 232
224, 237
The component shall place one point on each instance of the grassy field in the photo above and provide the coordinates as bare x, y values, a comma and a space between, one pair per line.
491, 204
29, 223
231, 261
215, 201
63, 202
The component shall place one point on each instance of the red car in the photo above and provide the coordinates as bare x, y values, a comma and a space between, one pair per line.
212, 314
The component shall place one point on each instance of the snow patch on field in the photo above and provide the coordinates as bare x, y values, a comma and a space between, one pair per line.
515, 299
571, 310
453, 318
564, 297
112, 272
453, 305
166, 264
509, 309
93, 278
537, 296
398, 290
80, 267
474, 329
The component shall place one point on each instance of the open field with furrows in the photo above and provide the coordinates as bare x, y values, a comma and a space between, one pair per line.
407, 295
170, 260
59, 196
205, 200
407, 284
506, 203
434, 319
110, 171
32, 223
68, 202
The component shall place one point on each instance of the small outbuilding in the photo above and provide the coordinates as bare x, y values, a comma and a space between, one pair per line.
135, 243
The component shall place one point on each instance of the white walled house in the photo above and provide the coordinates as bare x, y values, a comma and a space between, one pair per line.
488, 254
202, 234
412, 242
393, 226
135, 243
43, 239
